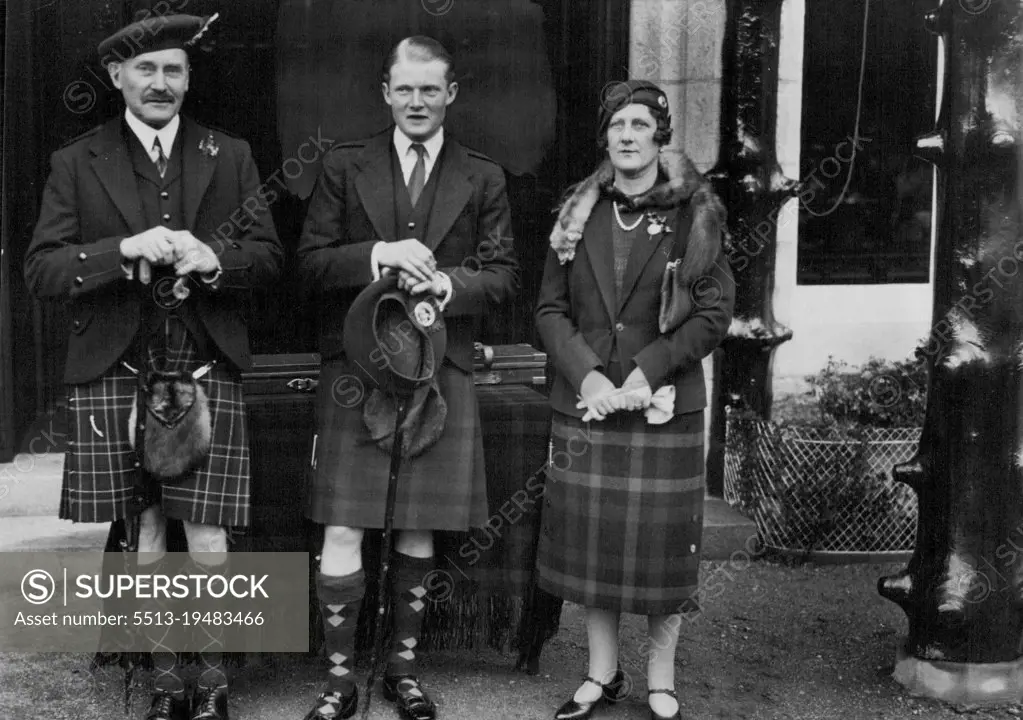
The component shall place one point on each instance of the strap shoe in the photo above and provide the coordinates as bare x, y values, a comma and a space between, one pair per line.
654, 715
335, 705
405, 692
612, 692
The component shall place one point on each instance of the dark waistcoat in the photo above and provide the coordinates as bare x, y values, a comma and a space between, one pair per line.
162, 201
411, 222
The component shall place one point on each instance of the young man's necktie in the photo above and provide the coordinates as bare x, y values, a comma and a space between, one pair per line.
417, 179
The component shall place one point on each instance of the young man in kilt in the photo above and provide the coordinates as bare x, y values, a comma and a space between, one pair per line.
412, 201
131, 223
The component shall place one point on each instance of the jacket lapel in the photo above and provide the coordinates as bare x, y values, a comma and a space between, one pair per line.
453, 191
112, 164
375, 185
597, 241
196, 166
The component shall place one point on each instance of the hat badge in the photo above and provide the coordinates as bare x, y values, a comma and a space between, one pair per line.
425, 314
662, 101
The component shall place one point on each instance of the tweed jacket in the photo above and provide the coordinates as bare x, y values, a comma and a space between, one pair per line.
469, 231
91, 203
585, 325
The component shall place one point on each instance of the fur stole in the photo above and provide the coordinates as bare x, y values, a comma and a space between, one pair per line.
683, 183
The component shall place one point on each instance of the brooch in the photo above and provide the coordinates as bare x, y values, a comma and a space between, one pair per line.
656, 224
208, 146
425, 314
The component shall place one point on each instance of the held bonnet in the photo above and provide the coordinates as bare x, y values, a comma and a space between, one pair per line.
395, 344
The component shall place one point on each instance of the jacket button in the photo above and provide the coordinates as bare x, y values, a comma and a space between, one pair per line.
166, 216
82, 256
165, 195
79, 282
411, 226
78, 323
619, 327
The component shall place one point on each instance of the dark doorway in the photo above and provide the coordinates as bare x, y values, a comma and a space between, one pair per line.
54, 91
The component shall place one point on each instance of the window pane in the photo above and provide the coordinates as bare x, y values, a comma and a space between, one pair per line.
876, 230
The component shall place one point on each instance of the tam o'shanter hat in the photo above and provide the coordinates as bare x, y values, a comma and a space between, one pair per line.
150, 32
395, 343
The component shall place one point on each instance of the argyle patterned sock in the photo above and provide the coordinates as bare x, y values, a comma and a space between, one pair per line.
408, 599
161, 640
210, 637
340, 599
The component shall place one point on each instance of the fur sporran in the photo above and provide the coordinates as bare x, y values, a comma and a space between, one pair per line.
178, 429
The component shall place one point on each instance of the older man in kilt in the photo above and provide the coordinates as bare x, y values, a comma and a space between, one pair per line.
414, 202
132, 235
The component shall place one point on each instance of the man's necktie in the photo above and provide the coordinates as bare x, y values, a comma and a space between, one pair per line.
161, 159
417, 179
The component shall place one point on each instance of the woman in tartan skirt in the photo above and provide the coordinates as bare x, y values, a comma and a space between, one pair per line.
624, 511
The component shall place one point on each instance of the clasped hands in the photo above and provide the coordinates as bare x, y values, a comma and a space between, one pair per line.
160, 246
600, 397
415, 265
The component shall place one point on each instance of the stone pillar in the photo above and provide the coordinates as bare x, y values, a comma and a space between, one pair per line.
963, 588
677, 44
753, 186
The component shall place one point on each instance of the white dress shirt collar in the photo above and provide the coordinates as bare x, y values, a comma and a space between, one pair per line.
147, 134
407, 156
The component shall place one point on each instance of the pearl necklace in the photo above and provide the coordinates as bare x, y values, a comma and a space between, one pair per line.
621, 224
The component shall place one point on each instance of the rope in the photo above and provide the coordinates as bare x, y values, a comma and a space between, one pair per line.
856, 128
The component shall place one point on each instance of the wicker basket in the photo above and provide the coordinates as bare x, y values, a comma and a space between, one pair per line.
822, 491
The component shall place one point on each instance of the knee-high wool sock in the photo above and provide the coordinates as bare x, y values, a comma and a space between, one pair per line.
340, 599
408, 597
210, 637
161, 640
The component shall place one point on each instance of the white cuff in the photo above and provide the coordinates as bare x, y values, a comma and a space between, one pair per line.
373, 262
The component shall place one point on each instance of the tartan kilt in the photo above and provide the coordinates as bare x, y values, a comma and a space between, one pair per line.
444, 488
623, 517
99, 470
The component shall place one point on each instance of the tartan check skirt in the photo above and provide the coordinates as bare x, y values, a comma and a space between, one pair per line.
99, 471
623, 515
444, 488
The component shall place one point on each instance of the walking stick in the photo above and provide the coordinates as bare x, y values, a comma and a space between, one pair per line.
385, 560
143, 494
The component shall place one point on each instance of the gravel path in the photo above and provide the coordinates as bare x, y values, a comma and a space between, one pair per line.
774, 643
